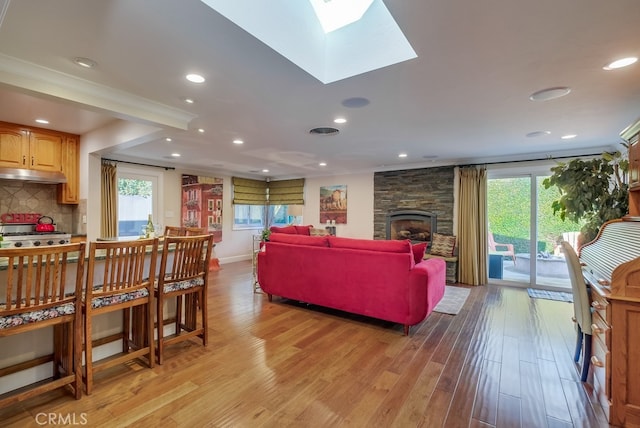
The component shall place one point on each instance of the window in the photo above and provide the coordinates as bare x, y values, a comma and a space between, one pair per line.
138, 196
253, 216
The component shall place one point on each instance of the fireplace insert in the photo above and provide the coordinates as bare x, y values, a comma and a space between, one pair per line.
416, 225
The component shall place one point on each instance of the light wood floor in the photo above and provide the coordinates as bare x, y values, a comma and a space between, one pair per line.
504, 361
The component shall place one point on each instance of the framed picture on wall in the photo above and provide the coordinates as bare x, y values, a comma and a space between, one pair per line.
333, 204
200, 197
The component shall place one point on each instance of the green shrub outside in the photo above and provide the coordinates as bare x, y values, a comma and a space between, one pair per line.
509, 210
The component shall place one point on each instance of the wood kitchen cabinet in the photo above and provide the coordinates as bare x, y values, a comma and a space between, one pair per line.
14, 146
45, 151
24, 147
68, 193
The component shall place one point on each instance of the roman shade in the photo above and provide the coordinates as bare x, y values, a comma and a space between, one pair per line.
286, 192
255, 192
249, 192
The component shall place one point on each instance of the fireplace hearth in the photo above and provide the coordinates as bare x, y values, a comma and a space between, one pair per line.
415, 225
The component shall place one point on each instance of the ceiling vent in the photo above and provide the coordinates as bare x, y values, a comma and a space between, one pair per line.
324, 131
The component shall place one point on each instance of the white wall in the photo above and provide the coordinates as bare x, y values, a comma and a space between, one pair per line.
359, 203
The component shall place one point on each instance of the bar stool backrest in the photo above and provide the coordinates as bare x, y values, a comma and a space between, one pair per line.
36, 278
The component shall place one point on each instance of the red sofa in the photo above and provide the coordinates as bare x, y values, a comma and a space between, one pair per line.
388, 280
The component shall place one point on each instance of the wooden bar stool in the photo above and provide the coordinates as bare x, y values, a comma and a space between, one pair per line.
34, 298
122, 282
183, 231
183, 275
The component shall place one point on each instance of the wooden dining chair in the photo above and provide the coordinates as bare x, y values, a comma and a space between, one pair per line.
191, 231
581, 309
183, 276
120, 277
43, 289
173, 231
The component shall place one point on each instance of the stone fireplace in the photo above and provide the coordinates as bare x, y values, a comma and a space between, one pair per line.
415, 225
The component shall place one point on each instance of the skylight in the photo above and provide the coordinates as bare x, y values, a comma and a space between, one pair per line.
291, 28
334, 14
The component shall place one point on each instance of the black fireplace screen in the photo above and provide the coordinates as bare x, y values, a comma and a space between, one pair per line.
412, 224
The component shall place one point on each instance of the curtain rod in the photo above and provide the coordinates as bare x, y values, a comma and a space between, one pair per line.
166, 168
530, 160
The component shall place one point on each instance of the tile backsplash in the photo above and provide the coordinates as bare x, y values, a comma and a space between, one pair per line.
24, 197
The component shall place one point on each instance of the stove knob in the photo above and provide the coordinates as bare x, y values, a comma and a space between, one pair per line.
50, 242
36, 243
62, 241
18, 244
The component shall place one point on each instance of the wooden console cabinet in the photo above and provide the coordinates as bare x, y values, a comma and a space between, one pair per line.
24, 147
616, 354
630, 135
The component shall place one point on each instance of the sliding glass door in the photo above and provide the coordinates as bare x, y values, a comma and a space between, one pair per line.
524, 235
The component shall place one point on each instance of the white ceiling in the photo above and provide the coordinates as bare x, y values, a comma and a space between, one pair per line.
464, 99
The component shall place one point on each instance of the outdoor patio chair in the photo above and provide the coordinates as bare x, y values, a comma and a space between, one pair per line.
493, 248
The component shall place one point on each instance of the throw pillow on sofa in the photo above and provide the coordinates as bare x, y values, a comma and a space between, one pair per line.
318, 232
286, 238
285, 229
418, 251
442, 245
303, 230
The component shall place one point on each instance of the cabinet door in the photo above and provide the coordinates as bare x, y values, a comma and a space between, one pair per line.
46, 151
68, 193
634, 165
14, 147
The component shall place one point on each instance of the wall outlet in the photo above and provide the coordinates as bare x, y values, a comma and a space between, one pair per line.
84, 219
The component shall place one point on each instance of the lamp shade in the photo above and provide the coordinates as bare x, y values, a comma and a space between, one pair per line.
294, 210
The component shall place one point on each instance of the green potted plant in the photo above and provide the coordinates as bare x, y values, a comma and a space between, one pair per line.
592, 191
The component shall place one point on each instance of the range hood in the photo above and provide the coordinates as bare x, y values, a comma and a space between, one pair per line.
32, 176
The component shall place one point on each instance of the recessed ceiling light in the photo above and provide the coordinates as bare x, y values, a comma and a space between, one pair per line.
195, 78
175, 155
537, 134
188, 100
238, 141
201, 130
568, 136
402, 155
42, 121
168, 139
619, 63
340, 120
322, 164
84, 62
550, 93
265, 170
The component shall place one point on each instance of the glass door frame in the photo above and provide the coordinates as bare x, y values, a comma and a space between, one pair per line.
532, 170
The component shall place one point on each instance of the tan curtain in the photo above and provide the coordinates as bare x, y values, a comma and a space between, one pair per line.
249, 192
472, 226
286, 192
109, 194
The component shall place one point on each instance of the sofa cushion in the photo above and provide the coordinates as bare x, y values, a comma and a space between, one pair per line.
442, 245
390, 246
285, 229
315, 241
418, 251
